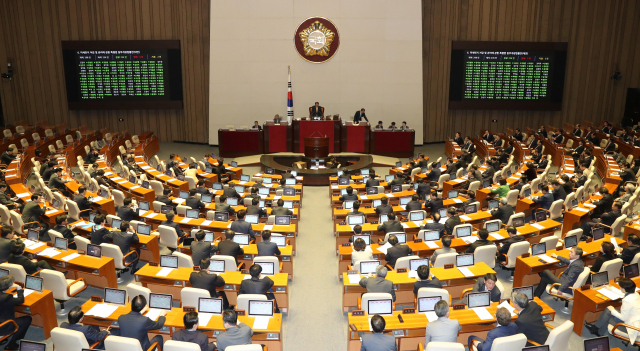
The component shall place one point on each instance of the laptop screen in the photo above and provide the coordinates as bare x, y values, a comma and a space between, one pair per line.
216, 266
518, 222
263, 191
464, 260
471, 209
289, 192
166, 209
372, 191
402, 237
55, 203
61, 244
115, 223
104, 193
348, 204
452, 194
443, 212
380, 307
463, 231
570, 241
210, 305
384, 218
115, 296
367, 267
431, 235
33, 283
428, 304
143, 205
221, 216
239, 188
145, 184
541, 216
480, 299
538, 249
493, 204
415, 263
94, 250
574, 203
245, 178
180, 177
208, 236
169, 261
340, 173
599, 279
630, 271
597, 344
32, 346
144, 229
290, 181
527, 290
493, 226
132, 179
269, 171
527, 192
389, 177
396, 188
294, 173
206, 198
260, 307
416, 216
343, 191
343, 181
192, 214
232, 201
280, 240
377, 203
267, 180
365, 237
355, 220
486, 183
253, 219
405, 200
241, 239
288, 204
364, 172
267, 267
33, 235
3, 272
398, 164
283, 220
216, 186
161, 301
598, 233
234, 164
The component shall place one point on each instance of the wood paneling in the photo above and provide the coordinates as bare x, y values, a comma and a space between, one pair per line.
31, 32
602, 34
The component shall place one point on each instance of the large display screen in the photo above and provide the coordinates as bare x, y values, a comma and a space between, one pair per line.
507, 75
123, 74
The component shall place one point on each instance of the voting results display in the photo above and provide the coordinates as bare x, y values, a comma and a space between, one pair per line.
507, 75
123, 74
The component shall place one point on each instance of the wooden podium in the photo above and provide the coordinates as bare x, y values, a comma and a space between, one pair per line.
316, 148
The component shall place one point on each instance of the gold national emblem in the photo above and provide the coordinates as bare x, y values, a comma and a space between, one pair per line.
316, 39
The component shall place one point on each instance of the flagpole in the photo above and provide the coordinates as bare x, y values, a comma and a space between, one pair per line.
289, 99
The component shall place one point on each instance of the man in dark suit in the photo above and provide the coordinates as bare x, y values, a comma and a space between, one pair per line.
228, 246
488, 283
604, 204
48, 171
100, 234
164, 198
450, 168
207, 280
373, 179
384, 207
135, 325
32, 212
424, 188
7, 311
123, 239
280, 210
468, 145
398, 180
578, 151
266, 247
91, 332
379, 126
482, 241
193, 202
633, 247
488, 137
396, 251
458, 139
170, 223
201, 249
607, 219
356, 211
254, 193
591, 137
191, 334
254, 208
222, 206
610, 146
505, 328
489, 172
126, 212
316, 110
81, 200
577, 131
414, 204
529, 319
359, 116
56, 182
349, 195
5, 198
436, 225
256, 126
7, 244
8, 156
580, 178
258, 284
545, 200
435, 173
230, 191
518, 135
513, 238
379, 284
425, 281
378, 341
606, 128
542, 131
392, 225
575, 265
497, 142
30, 266
558, 191
61, 227
241, 226
452, 220
434, 203
201, 189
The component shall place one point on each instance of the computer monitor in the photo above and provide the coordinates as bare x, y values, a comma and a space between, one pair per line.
115, 223
61, 244
3, 272
365, 237
452, 194
402, 237
268, 170
283, 220
527, 290
239, 189
376, 202
416, 216
290, 181
443, 212
288, 204
143, 205
33, 235
232, 201
343, 181
208, 170
464, 260
294, 173
493, 204
389, 177
192, 214
245, 178
92, 216
348, 204
538, 249
206, 198
527, 192
479, 299
166, 209
541, 216
398, 164
267, 180
252, 218
355, 220
343, 191
115, 296
234, 164
263, 191
536, 348
367, 267
471, 209
381, 307
493, 226
221, 216
462, 232
168, 173
364, 172
574, 203
518, 222
405, 200
383, 218
396, 188
279, 240
598, 233
144, 229
32, 346
630, 271
33, 283
415, 186
168, 261
599, 279
160, 301
261, 203
145, 184
340, 173
55, 203
431, 235
428, 304
417, 262
486, 183
180, 177
289, 192
242, 239
261, 308
210, 305
216, 186
372, 190
208, 236
570, 241
595, 344
94, 250
216, 266
508, 173
132, 179
267, 267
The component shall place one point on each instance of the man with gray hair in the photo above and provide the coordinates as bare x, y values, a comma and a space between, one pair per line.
575, 266
529, 319
628, 192
505, 328
443, 329
378, 284
504, 211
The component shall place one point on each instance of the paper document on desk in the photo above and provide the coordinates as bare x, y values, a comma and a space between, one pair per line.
261, 322
106, 174
589, 205
496, 236
35, 245
537, 226
466, 271
153, 313
179, 200
207, 222
384, 248
229, 225
28, 292
185, 220
204, 318
470, 239
418, 223
389, 195
51, 211
443, 220
276, 197
413, 274
96, 199
268, 227
23, 195
363, 197
506, 305
432, 244
405, 225
246, 276
334, 187
102, 310
456, 200
465, 217
151, 215
431, 316
614, 242
115, 178
482, 313
51, 252
28, 242
164, 272
612, 295
172, 180
581, 209
135, 187
242, 183
547, 259
70, 257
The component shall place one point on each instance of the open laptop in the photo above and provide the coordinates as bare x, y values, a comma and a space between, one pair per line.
381, 307
431, 235
343, 181
208, 236
479, 299
288, 204
267, 267
4, 272
443, 212
348, 204
463, 232
206, 198
115, 296
365, 237
364, 172
452, 194
216, 266
367, 267
260, 308
527, 290
290, 181
538, 249
245, 178
355, 220
221, 216
597, 344
32, 346
234, 164
61, 244
541, 216
599, 279
376, 203
417, 262
263, 191
269, 171
55, 203
143, 205
471, 209
279, 240
383, 218
33, 283
486, 183
598, 233
241, 239
518, 222
493, 226
289, 192
239, 189
210, 305
372, 190
193, 214
527, 192
343, 191
282, 220
389, 177
232, 201
267, 180
416, 216
160, 301
464, 260
33, 235
115, 223
145, 184
166, 209
94, 250
168, 261
493, 204
428, 304
405, 200
216, 186
630, 271
402, 237
570, 241
144, 229
252, 218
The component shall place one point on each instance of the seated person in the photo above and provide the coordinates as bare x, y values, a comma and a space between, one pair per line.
91, 332
165, 197
124, 238
575, 265
435, 225
414, 204
379, 125
392, 225
229, 247
633, 247
235, 333
349, 195
193, 201
452, 220
126, 212
471, 199
393, 126
222, 206
254, 208
100, 233
8, 302
258, 284
201, 189
424, 188
360, 252
170, 223
488, 283
504, 211
629, 312
483, 240
137, 326
546, 199
529, 319
424, 281
446, 248
7, 234
608, 253
266, 247
81, 200
373, 179
202, 249
558, 191
207, 280
378, 341
379, 284
502, 190
30, 266
607, 219
384, 207
396, 251
505, 328
5, 198
356, 211
280, 210
443, 329
190, 333
241, 226
404, 126
513, 238
434, 203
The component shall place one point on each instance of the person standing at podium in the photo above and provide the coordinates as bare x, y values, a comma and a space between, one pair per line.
316, 110
359, 116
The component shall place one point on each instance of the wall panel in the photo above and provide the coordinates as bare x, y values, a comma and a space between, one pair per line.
602, 35
31, 32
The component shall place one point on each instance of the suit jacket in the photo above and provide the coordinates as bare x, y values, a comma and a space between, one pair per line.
578, 150
628, 253
429, 283
267, 248
134, 325
395, 252
391, 226
435, 226
568, 187
503, 213
530, 323
378, 285
240, 335
378, 342
91, 332
518, 136
200, 250
101, 236
229, 248
124, 240
359, 116
627, 176
207, 281
173, 225
347, 197
222, 207
577, 132
488, 137
472, 248
570, 275
255, 286
451, 223
424, 189
545, 201
5, 199
559, 194
603, 205
46, 176
488, 173
508, 150
480, 287
230, 192
194, 203
580, 182
281, 211
609, 147
82, 202
610, 217
469, 147
443, 330
7, 311
384, 209
372, 182
434, 175
126, 213
414, 206
444, 250
251, 209
6, 159
29, 266
243, 227
498, 332
164, 199
202, 190
32, 212
504, 249
434, 205
194, 336
316, 110
56, 183
6, 246
66, 232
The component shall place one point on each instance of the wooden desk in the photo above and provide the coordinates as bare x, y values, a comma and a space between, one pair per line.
42, 309
179, 278
104, 205
393, 197
451, 148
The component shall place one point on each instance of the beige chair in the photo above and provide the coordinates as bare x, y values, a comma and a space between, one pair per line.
134, 290
168, 237
558, 339
363, 303
582, 279
113, 251
157, 187
74, 210
514, 216
229, 263
54, 234
17, 271
70, 340
459, 227
515, 250
443, 259
192, 182
405, 262
512, 198
242, 303
486, 254
157, 206
118, 198
612, 267
182, 210
63, 289
7, 133
119, 343
18, 224
184, 260
5, 215
551, 242
81, 243
277, 265
576, 232
69, 139
431, 292
513, 342
172, 345
190, 296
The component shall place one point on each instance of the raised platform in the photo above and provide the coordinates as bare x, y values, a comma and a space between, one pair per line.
281, 163
254, 160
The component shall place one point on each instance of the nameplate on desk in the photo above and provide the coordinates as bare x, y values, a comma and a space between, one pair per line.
240, 312
374, 222
153, 264
459, 306
96, 298
448, 266
559, 248
281, 288
346, 244
417, 240
408, 310
339, 208
286, 258
196, 268
353, 272
357, 313
585, 287
81, 252
402, 270
49, 244
244, 271
525, 255
188, 309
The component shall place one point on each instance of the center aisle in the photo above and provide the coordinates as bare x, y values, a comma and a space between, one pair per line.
315, 321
